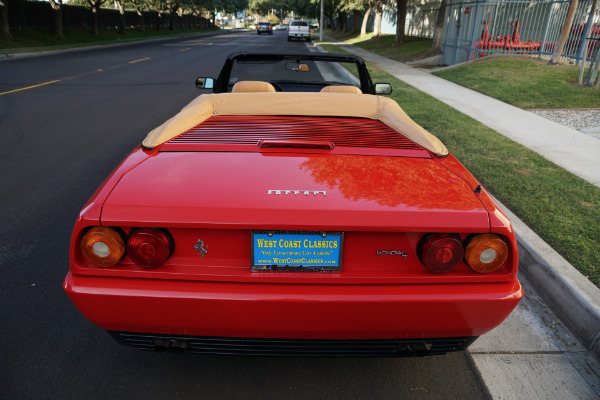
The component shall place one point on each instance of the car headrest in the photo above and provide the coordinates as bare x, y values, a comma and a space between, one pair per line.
341, 89
252, 86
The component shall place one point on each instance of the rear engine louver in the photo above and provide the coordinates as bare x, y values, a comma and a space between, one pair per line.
244, 133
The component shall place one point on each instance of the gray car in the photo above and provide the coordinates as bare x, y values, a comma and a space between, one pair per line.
264, 27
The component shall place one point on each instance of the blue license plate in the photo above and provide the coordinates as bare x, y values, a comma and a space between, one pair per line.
296, 251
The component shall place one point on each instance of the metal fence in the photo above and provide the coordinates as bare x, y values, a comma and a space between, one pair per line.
420, 19
476, 28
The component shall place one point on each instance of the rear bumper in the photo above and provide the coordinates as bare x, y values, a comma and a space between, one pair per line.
294, 311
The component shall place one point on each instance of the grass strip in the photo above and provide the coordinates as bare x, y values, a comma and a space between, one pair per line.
38, 40
413, 48
524, 82
560, 207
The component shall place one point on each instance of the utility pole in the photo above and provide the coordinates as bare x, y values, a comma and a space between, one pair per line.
321, 24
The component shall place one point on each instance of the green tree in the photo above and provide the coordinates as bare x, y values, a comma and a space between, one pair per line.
350, 6
160, 7
355, 7
173, 6
193, 8
139, 6
258, 8
330, 8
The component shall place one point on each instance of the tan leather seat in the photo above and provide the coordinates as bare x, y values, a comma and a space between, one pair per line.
252, 86
341, 89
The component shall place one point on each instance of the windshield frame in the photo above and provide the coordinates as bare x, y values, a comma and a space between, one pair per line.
223, 84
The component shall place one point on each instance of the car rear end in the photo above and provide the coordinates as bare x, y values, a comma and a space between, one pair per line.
264, 27
299, 30
293, 236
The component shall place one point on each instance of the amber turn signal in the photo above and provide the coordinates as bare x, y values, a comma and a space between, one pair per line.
486, 253
102, 246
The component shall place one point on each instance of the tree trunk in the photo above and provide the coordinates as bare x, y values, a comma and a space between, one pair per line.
58, 28
400, 21
378, 16
96, 22
363, 28
331, 22
95, 6
4, 27
141, 15
57, 11
562, 39
342, 22
354, 21
436, 46
121, 17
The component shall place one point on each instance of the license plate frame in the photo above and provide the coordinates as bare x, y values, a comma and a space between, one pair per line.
296, 251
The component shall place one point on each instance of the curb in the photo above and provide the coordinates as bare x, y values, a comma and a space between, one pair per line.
572, 297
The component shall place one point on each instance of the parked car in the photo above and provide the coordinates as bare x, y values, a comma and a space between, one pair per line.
299, 30
264, 27
302, 214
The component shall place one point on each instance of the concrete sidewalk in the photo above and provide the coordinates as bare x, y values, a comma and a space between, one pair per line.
575, 151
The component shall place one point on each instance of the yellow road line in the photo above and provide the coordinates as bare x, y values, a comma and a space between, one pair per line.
141, 59
185, 49
29, 87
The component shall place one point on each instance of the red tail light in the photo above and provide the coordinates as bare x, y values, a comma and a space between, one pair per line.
441, 252
149, 247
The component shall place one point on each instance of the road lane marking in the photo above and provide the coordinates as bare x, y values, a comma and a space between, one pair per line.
29, 87
141, 59
189, 48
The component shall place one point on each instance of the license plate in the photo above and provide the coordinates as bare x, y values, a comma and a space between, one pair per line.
296, 251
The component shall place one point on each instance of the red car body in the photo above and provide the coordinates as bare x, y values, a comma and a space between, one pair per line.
212, 194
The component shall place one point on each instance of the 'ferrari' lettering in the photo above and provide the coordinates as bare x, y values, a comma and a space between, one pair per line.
297, 192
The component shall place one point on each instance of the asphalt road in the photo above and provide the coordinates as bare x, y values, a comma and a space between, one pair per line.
58, 142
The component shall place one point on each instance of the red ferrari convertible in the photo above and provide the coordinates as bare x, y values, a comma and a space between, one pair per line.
293, 211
